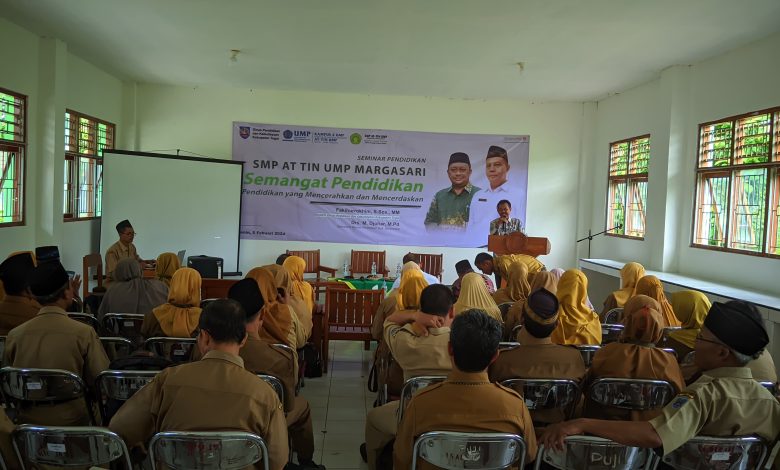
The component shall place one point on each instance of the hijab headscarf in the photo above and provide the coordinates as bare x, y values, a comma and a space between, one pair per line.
578, 323
691, 308
130, 292
517, 287
546, 280
412, 284
642, 320
167, 264
474, 294
179, 317
630, 274
651, 287
301, 289
277, 317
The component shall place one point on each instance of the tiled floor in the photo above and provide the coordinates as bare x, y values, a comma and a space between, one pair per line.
339, 402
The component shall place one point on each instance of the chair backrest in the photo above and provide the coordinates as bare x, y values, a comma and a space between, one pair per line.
176, 350
414, 385
312, 258
350, 307
507, 345
613, 316
275, 384
771, 386
737, 453
667, 330
515, 331
611, 332
126, 325
360, 262
207, 450
69, 446
40, 385
457, 450
631, 394
588, 351
688, 359
670, 351
547, 394
119, 386
86, 319
116, 347
2, 350
504, 309
432, 264
595, 453
92, 260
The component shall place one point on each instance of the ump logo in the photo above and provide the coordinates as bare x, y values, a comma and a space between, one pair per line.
355, 138
243, 131
287, 134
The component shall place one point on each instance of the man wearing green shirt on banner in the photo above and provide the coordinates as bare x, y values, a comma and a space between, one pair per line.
450, 206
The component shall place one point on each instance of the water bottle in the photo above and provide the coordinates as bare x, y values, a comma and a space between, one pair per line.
398, 270
373, 268
345, 271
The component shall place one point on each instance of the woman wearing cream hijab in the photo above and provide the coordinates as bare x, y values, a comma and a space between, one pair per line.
179, 317
651, 287
474, 294
543, 279
691, 308
406, 297
299, 306
167, 264
280, 323
577, 323
301, 289
517, 286
629, 276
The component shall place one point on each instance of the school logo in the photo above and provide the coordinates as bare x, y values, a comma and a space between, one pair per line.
355, 138
287, 134
244, 131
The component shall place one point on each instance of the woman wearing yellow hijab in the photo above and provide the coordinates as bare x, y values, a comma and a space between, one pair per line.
179, 317
301, 289
405, 297
474, 294
542, 280
577, 323
280, 323
299, 306
651, 287
517, 286
167, 264
691, 308
629, 276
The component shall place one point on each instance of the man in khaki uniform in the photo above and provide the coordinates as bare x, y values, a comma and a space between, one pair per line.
724, 401
467, 400
18, 306
122, 249
537, 357
261, 358
52, 340
418, 341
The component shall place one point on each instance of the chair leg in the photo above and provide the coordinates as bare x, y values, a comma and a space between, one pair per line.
367, 345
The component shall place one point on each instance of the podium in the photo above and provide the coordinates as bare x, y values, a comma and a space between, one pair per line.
517, 243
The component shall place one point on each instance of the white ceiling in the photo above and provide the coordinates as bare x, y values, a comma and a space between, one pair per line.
572, 49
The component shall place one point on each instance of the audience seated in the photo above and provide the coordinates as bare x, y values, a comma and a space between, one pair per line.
52, 340
261, 358
179, 317
298, 305
167, 264
634, 357
462, 268
474, 294
651, 286
542, 280
630, 273
725, 401
467, 400
280, 259
213, 394
517, 287
280, 323
691, 308
406, 297
418, 342
578, 323
500, 265
537, 357
18, 305
430, 279
130, 292
301, 290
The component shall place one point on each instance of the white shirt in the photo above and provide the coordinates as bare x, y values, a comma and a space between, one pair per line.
431, 279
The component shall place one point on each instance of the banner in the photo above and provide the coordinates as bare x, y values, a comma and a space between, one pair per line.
376, 187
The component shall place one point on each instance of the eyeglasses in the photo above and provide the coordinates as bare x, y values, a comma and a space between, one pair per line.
699, 337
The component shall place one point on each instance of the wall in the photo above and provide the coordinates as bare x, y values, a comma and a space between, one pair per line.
199, 119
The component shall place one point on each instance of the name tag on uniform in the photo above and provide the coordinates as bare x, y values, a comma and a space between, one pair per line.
34, 385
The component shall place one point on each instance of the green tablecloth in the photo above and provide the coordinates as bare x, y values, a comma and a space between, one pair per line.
366, 284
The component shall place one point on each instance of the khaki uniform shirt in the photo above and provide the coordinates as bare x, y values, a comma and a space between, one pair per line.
117, 252
261, 358
723, 402
52, 340
15, 310
387, 307
419, 355
213, 394
464, 402
450, 209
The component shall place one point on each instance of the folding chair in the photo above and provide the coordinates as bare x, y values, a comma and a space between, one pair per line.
613, 316
348, 316
116, 387
771, 386
590, 453
45, 386
738, 453
504, 309
631, 394
116, 347
275, 384
69, 446
507, 345
610, 333
516, 330
361, 262
205, 302
670, 351
547, 394
126, 325
207, 450
457, 450
176, 350
414, 385
294, 363
432, 264
587, 351
86, 319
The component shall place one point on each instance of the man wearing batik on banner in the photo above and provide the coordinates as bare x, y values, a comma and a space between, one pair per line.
450, 207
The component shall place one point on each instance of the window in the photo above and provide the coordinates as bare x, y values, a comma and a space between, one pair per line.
13, 139
737, 205
85, 140
627, 193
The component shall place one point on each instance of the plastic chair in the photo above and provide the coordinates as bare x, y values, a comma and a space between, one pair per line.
46, 386
412, 386
457, 450
207, 450
631, 394
86, 319
610, 333
117, 386
587, 351
590, 453
733, 453
116, 347
547, 394
176, 350
69, 446
126, 325
613, 316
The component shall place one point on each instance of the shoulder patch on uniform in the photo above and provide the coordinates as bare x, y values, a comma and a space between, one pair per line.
681, 399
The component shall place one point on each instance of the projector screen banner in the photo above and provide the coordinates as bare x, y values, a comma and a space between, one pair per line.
376, 186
